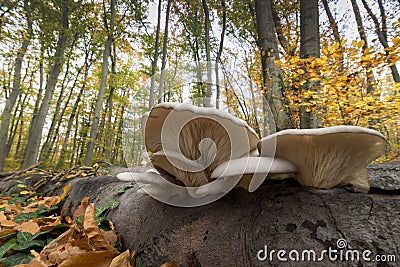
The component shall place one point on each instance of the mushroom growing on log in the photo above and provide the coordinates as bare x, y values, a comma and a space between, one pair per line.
195, 140
328, 157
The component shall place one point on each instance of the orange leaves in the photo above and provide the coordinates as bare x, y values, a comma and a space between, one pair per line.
85, 245
29, 227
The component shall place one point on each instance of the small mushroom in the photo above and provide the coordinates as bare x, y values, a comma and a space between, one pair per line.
328, 157
195, 140
254, 170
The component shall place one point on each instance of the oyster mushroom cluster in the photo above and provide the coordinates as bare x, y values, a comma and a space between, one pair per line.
209, 151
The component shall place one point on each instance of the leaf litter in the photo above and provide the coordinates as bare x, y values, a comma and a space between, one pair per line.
33, 233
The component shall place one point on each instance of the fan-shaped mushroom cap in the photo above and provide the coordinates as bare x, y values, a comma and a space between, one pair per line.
195, 140
254, 170
327, 157
155, 123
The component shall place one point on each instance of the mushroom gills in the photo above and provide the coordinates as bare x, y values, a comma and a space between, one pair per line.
328, 157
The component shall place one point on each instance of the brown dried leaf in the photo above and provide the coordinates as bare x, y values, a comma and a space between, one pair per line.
89, 259
6, 221
46, 201
29, 226
122, 260
110, 237
3, 217
80, 211
57, 243
169, 264
6, 231
14, 209
92, 230
33, 263
48, 223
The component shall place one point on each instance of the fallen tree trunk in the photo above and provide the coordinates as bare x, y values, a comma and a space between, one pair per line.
238, 229
248, 229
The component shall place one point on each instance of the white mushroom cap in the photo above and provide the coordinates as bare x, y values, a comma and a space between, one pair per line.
327, 157
196, 139
260, 167
160, 112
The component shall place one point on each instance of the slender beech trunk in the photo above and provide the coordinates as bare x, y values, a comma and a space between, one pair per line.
332, 21
382, 34
219, 53
273, 88
279, 30
47, 145
363, 36
208, 52
16, 88
155, 58
109, 130
36, 129
164, 53
309, 47
103, 82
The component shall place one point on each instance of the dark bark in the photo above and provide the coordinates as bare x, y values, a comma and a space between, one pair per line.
232, 230
109, 131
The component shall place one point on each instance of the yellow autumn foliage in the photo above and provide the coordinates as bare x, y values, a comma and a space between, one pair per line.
347, 86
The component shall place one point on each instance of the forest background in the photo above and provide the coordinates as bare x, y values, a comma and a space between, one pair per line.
71, 71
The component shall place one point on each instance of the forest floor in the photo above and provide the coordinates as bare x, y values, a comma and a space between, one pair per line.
34, 232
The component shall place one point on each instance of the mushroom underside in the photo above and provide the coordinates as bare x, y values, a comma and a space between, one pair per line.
326, 161
203, 142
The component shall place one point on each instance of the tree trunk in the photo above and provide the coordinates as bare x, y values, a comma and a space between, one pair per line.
309, 47
208, 52
103, 83
234, 229
47, 146
16, 87
219, 53
278, 27
272, 77
36, 129
155, 58
363, 36
382, 35
109, 131
164, 53
332, 21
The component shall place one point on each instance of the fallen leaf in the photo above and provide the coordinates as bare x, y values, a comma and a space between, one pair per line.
66, 190
29, 226
122, 260
80, 211
90, 259
169, 264
110, 237
92, 230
